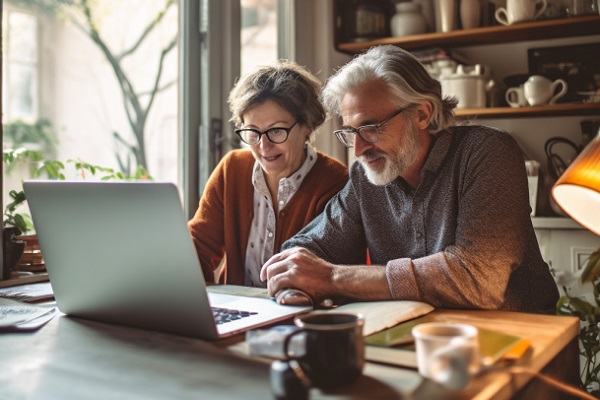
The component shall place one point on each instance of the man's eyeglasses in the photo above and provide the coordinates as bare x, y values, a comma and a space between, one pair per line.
275, 135
368, 133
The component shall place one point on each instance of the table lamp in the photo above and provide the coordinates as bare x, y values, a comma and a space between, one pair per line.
577, 190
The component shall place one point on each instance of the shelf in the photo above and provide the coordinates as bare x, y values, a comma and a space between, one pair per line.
25, 279
538, 30
552, 110
555, 223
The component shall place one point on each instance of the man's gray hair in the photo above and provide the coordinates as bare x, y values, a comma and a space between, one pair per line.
408, 81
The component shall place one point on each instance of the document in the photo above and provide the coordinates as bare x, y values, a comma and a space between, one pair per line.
32, 292
16, 315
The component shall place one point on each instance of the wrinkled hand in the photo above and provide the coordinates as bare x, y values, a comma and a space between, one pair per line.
301, 269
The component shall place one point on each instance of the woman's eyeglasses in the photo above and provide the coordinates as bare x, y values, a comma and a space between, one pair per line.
275, 135
368, 133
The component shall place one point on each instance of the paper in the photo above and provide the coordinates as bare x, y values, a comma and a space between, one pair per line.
380, 315
29, 293
16, 315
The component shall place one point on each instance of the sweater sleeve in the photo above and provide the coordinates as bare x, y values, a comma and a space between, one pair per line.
335, 235
207, 225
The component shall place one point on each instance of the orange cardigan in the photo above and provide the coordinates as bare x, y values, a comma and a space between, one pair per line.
221, 225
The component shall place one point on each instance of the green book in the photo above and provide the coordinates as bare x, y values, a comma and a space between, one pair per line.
396, 345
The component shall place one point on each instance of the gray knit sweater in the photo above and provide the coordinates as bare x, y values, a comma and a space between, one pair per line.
462, 239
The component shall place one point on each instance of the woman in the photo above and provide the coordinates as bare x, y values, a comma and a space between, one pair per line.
257, 198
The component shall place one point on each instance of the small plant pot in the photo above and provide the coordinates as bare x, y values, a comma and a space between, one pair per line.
13, 251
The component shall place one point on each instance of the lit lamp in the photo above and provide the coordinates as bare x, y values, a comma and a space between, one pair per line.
577, 191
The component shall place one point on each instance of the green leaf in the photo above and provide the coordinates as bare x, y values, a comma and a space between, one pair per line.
591, 271
568, 305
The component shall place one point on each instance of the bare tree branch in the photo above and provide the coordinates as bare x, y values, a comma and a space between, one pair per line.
147, 31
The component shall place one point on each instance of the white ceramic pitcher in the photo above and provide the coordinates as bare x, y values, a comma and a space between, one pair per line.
469, 85
541, 90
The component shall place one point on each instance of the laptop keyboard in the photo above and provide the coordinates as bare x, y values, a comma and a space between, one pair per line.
224, 315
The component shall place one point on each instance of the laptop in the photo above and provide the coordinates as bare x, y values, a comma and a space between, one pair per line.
121, 253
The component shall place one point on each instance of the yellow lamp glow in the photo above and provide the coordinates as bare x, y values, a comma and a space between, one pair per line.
577, 191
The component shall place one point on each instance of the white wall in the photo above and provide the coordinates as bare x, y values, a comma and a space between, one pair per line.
315, 49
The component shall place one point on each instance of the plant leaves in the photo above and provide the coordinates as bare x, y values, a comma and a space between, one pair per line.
591, 272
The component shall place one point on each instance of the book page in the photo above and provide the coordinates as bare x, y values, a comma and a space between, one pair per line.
380, 315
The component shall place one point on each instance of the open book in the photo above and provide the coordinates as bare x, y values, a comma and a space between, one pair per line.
380, 315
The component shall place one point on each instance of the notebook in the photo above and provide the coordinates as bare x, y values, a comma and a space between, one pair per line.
121, 253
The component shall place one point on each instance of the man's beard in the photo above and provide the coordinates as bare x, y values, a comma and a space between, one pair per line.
396, 163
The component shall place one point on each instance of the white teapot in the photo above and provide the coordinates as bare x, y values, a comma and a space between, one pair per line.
540, 90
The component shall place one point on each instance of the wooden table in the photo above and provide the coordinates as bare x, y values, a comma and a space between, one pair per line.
77, 359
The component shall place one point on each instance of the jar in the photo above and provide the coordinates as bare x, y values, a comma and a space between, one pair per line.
408, 20
370, 21
470, 13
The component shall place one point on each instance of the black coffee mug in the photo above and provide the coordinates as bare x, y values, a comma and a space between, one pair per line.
334, 351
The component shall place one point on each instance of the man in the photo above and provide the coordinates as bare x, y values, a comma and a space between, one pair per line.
443, 209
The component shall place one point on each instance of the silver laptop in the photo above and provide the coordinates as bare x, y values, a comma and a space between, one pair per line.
120, 252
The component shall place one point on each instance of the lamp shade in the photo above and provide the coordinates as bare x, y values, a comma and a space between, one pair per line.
577, 191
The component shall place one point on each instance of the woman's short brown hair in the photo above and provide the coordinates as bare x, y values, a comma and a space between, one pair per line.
288, 84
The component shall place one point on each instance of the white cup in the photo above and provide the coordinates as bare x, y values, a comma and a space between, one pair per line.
447, 353
540, 90
515, 96
520, 11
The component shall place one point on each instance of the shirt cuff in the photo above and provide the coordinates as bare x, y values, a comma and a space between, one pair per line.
402, 280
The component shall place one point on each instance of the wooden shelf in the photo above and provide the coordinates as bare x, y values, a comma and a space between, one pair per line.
25, 279
553, 110
538, 30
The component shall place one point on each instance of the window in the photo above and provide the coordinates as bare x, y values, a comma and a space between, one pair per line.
20, 96
103, 88
258, 33
138, 83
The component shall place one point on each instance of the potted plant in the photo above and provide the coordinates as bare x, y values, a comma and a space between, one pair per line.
18, 239
38, 135
588, 311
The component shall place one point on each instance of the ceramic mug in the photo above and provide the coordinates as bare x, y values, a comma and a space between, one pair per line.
334, 348
447, 353
520, 11
515, 96
540, 90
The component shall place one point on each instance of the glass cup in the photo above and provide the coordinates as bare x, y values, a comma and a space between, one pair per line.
447, 353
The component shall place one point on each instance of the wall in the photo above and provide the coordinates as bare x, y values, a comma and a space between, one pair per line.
316, 51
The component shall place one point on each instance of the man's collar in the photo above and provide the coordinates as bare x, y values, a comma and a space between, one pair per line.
439, 150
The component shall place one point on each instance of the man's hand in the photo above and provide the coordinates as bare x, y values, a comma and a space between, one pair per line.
301, 269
